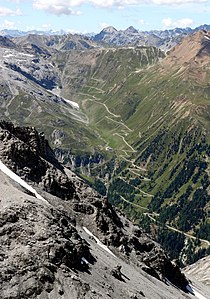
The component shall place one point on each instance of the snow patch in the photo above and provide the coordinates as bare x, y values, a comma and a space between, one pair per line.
84, 261
20, 181
56, 91
8, 55
72, 103
206, 37
194, 292
13, 53
98, 241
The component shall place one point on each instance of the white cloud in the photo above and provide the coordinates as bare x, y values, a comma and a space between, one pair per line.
8, 25
5, 12
167, 22
47, 26
175, 2
57, 7
64, 7
185, 22
109, 3
122, 3
73, 31
121, 7
141, 22
182, 23
15, 1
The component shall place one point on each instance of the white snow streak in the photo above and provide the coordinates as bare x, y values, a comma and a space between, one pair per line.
83, 260
72, 103
206, 37
98, 241
20, 181
195, 292
57, 91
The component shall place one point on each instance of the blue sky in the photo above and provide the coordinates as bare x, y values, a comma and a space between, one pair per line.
85, 16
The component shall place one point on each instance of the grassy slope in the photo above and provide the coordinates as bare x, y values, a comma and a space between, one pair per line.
154, 118
57, 120
154, 115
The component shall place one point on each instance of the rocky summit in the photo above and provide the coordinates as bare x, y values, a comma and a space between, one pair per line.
69, 242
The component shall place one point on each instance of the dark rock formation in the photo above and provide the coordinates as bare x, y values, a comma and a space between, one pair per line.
28, 153
6, 42
116, 272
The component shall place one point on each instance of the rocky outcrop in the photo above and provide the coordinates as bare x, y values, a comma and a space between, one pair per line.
45, 76
83, 161
6, 42
200, 271
35, 242
131, 36
27, 152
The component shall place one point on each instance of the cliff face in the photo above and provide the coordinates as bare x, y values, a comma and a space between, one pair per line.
29, 155
36, 241
47, 250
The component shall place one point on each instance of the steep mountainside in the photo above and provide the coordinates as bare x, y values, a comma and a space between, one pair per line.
45, 74
131, 36
163, 39
6, 42
29, 94
56, 42
133, 121
156, 121
50, 244
200, 270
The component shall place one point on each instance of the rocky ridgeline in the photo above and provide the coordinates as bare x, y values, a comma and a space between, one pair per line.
6, 42
40, 242
28, 154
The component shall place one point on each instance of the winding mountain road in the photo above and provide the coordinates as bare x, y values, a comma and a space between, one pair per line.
150, 215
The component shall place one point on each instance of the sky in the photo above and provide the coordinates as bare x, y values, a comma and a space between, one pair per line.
88, 16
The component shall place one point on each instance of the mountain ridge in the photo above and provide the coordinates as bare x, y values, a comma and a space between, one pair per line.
164, 39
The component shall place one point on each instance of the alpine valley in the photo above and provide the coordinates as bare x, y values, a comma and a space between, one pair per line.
127, 115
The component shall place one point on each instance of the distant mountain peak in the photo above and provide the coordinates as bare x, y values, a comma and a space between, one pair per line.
106, 32
109, 29
131, 29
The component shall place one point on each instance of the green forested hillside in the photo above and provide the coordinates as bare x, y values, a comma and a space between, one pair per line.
153, 114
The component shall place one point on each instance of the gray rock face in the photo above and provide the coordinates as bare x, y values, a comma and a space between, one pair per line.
6, 42
200, 270
29, 155
45, 76
45, 252
35, 243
